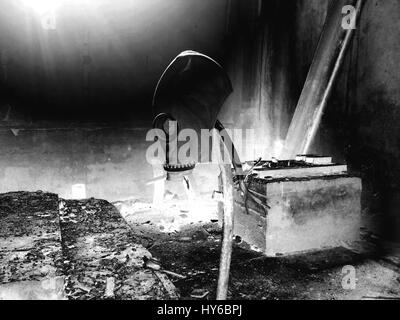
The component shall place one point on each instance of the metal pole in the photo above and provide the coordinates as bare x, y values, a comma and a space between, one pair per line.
320, 110
323, 72
226, 250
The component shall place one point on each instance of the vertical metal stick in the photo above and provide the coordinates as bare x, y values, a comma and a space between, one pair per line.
226, 250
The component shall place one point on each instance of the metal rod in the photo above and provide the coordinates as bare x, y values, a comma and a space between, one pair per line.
228, 209
234, 156
323, 72
320, 110
227, 242
237, 166
228, 216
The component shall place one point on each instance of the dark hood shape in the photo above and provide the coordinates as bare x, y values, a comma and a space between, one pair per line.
191, 91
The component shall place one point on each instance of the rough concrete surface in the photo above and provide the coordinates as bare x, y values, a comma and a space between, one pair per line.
103, 257
305, 213
55, 249
30, 247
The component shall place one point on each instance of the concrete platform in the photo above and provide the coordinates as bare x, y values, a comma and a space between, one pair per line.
30, 247
305, 214
52, 249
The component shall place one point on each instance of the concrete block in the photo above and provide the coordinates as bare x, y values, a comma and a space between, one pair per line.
308, 213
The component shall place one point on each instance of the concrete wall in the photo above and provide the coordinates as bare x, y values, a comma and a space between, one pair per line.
260, 65
109, 161
375, 109
271, 54
360, 124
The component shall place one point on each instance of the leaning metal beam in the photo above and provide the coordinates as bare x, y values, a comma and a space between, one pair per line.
329, 56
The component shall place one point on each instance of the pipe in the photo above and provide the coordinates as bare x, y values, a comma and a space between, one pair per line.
237, 166
323, 72
233, 154
320, 110
228, 216
227, 242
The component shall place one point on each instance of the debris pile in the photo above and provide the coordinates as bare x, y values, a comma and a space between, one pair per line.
103, 259
170, 216
30, 246
54, 249
82, 250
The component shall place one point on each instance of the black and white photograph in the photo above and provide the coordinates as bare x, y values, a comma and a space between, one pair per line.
200, 154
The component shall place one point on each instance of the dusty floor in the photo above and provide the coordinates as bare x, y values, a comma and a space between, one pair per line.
193, 252
78, 250
130, 250
103, 257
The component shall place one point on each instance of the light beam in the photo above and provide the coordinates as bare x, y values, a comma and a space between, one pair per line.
43, 6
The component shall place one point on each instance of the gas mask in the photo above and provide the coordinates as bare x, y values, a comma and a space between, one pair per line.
187, 100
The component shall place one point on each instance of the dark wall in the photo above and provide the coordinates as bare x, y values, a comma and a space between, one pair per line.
360, 124
261, 67
271, 53
375, 109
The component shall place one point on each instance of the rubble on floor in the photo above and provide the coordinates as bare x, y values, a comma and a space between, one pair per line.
104, 258
56, 249
30, 247
193, 254
170, 216
100, 256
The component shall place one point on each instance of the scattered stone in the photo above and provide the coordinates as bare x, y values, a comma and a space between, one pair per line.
199, 293
200, 235
110, 286
82, 287
173, 274
168, 286
106, 256
152, 265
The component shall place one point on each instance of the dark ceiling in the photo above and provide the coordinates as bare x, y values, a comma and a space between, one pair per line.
99, 59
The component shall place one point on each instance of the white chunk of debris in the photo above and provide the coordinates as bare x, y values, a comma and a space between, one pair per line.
110, 286
152, 265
